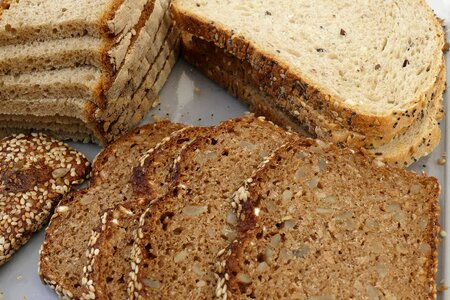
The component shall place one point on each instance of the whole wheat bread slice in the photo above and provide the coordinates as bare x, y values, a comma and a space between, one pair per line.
319, 222
373, 79
236, 76
35, 172
63, 253
179, 235
91, 81
107, 274
101, 125
45, 20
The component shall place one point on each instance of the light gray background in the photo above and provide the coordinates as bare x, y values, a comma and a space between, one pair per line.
188, 97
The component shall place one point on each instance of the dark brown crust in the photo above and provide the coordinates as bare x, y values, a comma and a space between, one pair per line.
20, 176
248, 229
269, 67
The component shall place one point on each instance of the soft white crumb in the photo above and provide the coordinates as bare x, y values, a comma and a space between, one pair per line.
443, 233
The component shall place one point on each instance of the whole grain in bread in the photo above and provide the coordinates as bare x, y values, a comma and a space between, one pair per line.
63, 253
35, 172
180, 235
297, 56
320, 222
107, 272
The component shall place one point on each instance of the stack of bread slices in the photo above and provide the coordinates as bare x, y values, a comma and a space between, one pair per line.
87, 70
361, 74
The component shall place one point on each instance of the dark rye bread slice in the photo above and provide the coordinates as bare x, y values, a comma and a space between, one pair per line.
110, 161
107, 273
318, 222
174, 254
63, 253
35, 173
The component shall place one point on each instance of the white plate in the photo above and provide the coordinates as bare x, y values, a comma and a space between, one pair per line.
189, 97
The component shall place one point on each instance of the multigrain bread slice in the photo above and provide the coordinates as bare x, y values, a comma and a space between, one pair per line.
180, 235
107, 273
35, 172
101, 125
216, 63
403, 149
63, 253
319, 222
370, 68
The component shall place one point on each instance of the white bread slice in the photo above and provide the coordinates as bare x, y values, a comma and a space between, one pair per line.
328, 51
403, 149
30, 20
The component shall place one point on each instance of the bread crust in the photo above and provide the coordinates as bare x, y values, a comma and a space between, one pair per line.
287, 80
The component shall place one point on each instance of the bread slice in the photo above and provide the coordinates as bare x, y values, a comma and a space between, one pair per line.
63, 253
90, 81
179, 235
101, 125
319, 222
371, 79
107, 270
29, 21
403, 149
36, 172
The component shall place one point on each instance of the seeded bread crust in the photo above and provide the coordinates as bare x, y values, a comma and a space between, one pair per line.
407, 147
36, 172
256, 227
62, 256
287, 82
256, 138
106, 275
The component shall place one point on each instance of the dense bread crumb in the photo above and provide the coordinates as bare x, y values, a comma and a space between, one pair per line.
180, 235
35, 172
324, 223
63, 254
107, 275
